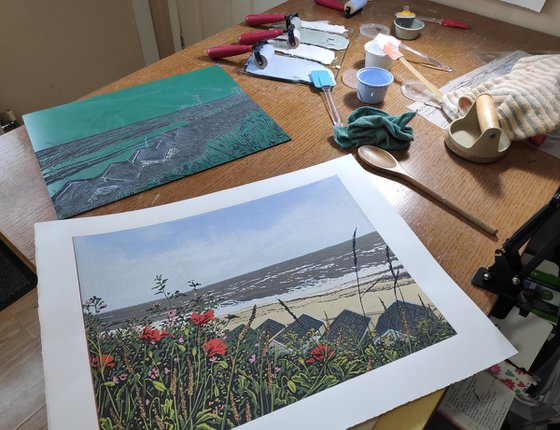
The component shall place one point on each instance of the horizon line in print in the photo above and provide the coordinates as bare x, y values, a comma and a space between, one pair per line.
95, 151
215, 320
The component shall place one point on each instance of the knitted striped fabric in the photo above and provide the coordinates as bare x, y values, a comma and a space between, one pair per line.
527, 99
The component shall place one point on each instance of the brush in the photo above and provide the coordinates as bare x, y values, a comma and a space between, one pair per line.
323, 80
394, 53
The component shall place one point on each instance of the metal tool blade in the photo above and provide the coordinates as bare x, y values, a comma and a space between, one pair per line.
433, 61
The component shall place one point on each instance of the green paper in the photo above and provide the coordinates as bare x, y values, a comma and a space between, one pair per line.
96, 151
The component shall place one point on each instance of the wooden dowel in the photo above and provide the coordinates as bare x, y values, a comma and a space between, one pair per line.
419, 75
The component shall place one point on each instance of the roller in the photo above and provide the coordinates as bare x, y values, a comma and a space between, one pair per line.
478, 136
270, 18
350, 8
263, 52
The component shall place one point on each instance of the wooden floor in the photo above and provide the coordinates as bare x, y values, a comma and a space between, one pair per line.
22, 390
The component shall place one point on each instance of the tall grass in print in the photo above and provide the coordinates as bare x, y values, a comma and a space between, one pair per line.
194, 370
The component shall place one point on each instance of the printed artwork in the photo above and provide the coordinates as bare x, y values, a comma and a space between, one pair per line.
95, 151
214, 320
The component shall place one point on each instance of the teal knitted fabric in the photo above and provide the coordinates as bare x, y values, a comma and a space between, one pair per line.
371, 126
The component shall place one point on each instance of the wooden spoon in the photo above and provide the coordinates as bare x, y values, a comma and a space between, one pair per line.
383, 161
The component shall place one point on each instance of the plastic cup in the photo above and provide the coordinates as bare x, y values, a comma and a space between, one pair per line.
376, 57
373, 83
408, 29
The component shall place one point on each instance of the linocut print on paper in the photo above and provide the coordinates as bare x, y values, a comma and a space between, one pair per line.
214, 320
95, 151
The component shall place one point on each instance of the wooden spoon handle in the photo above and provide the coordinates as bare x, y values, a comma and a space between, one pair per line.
435, 90
458, 209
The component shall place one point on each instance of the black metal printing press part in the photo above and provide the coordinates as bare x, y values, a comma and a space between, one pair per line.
541, 234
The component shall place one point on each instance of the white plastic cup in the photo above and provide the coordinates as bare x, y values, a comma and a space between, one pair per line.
376, 57
373, 83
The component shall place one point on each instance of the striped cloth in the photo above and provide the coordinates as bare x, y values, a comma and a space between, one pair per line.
527, 99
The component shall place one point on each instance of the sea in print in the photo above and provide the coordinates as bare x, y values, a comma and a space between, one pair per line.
212, 321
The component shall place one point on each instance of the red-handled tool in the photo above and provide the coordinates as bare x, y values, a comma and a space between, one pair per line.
257, 36
333, 4
216, 52
269, 18
445, 22
260, 51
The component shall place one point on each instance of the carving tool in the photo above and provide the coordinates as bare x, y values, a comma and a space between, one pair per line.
323, 80
445, 22
393, 52
426, 57
383, 161
350, 8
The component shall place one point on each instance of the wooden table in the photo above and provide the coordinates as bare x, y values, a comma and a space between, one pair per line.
505, 193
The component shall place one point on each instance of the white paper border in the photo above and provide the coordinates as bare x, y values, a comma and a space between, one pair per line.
477, 345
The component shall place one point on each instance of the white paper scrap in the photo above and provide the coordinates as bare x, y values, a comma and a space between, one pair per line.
527, 334
324, 26
535, 5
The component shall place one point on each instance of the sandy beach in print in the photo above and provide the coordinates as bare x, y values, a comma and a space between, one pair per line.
336, 300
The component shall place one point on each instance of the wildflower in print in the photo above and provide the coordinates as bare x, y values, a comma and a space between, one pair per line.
154, 335
154, 373
215, 347
181, 340
320, 353
509, 383
495, 369
252, 358
123, 376
171, 314
103, 361
116, 380
201, 319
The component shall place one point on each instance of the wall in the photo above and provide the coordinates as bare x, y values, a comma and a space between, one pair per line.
203, 18
54, 52
547, 21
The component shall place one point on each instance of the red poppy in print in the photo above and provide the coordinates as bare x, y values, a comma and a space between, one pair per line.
320, 353
105, 361
201, 319
509, 383
215, 347
154, 335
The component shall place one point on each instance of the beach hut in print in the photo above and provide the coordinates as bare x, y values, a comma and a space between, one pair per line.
402, 317
348, 328
234, 333
270, 327
306, 329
